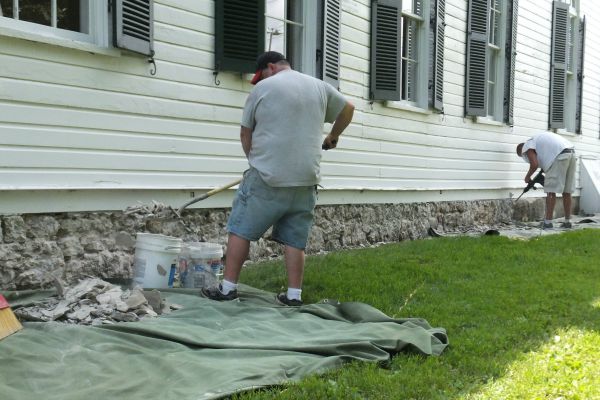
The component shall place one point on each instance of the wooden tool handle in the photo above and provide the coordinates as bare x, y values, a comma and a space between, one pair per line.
208, 194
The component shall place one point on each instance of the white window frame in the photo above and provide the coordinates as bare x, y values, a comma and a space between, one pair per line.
496, 61
572, 67
98, 35
421, 97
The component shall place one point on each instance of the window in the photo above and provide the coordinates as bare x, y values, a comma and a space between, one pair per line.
245, 28
407, 51
286, 23
491, 39
566, 73
496, 66
412, 28
82, 21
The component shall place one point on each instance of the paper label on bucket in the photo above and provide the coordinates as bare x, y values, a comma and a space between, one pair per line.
161, 270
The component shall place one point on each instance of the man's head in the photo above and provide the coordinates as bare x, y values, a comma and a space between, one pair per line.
520, 149
268, 64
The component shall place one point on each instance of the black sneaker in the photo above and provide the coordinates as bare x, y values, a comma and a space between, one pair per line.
567, 225
547, 225
284, 301
214, 293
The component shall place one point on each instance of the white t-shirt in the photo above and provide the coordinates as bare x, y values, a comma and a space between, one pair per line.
547, 145
286, 113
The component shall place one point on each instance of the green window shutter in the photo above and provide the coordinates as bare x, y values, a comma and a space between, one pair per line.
578, 109
386, 17
331, 42
436, 61
133, 25
239, 34
476, 88
511, 55
558, 64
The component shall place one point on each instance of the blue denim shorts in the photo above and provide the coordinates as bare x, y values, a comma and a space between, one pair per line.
258, 206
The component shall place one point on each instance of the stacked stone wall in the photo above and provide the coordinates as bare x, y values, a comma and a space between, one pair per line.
34, 247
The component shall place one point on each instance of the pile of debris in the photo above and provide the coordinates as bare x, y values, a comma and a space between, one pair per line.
154, 210
95, 302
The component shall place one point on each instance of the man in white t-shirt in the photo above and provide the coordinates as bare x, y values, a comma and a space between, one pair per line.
556, 157
282, 136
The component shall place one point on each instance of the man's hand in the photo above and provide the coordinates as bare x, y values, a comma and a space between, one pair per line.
329, 143
527, 178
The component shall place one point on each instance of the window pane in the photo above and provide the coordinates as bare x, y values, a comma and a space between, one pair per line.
495, 23
275, 39
294, 39
571, 44
69, 15
492, 78
409, 59
6, 8
36, 11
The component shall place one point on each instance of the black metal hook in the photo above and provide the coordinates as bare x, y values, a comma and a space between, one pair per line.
153, 62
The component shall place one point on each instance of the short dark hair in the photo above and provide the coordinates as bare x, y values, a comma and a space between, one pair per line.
269, 57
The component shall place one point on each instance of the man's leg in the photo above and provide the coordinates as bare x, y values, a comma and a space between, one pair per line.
237, 253
550, 203
567, 205
294, 263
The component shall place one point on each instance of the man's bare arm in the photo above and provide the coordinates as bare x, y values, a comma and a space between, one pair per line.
341, 122
246, 139
533, 164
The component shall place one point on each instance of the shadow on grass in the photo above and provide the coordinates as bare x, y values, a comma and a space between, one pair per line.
498, 299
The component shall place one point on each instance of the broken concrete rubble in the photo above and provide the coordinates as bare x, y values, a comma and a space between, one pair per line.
93, 301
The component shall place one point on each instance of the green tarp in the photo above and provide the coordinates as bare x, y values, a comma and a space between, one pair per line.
206, 350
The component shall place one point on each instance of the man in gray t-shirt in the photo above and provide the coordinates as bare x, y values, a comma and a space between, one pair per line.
281, 134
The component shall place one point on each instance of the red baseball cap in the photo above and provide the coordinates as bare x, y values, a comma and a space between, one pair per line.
266, 58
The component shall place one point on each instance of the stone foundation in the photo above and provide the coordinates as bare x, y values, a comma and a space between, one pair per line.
73, 245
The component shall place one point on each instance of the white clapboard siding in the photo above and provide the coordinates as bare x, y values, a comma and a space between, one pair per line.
74, 120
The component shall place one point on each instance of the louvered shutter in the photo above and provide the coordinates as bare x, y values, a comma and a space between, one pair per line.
579, 94
331, 42
436, 62
476, 91
133, 25
386, 17
239, 34
511, 55
558, 64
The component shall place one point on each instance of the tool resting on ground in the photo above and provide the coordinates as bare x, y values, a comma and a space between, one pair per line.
539, 178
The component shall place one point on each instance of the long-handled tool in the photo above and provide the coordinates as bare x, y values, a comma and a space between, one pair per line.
9, 323
206, 195
539, 178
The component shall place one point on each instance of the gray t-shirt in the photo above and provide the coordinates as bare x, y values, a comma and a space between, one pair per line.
286, 113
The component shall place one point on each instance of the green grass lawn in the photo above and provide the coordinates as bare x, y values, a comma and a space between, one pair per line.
523, 317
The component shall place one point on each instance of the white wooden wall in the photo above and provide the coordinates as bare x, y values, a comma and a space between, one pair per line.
85, 131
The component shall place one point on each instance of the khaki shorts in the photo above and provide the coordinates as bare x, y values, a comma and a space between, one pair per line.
560, 177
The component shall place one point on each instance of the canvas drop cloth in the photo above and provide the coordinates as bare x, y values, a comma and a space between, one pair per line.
206, 350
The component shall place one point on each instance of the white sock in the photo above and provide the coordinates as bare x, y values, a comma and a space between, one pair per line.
567, 219
547, 221
294, 294
227, 286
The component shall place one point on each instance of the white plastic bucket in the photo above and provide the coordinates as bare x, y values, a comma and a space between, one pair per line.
155, 258
204, 264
